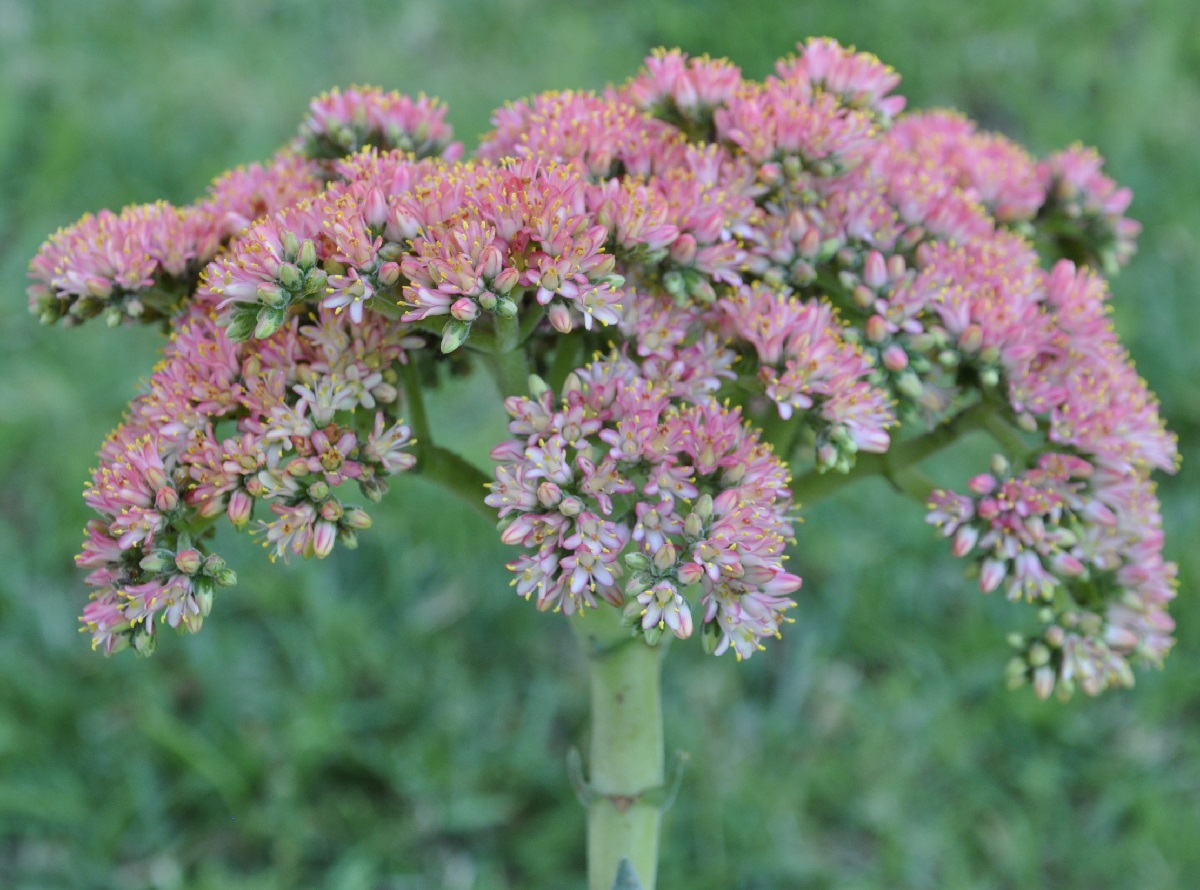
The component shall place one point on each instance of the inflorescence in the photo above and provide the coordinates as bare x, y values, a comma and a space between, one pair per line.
710, 278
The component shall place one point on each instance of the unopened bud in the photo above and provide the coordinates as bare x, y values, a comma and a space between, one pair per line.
710, 637
144, 642
373, 488
652, 635
289, 276
331, 510
324, 537
895, 358
875, 273
306, 256
454, 334
683, 249
909, 384
689, 573
863, 296
560, 318
665, 556
316, 282
506, 308
636, 562
464, 309
488, 300
204, 600
356, 517
188, 561
239, 508
388, 274
570, 506
155, 561
506, 281
269, 321
1000, 466
549, 494
166, 499
970, 340
290, 244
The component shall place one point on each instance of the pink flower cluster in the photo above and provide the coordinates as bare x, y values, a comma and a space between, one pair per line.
340, 123
1082, 542
222, 427
795, 256
697, 504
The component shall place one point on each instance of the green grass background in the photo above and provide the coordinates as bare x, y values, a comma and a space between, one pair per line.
393, 718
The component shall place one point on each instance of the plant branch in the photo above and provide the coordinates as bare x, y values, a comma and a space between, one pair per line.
896, 463
457, 475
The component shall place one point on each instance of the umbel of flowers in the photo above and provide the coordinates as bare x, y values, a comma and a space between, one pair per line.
682, 286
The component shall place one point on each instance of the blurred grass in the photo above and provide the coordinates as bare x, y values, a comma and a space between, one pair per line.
393, 718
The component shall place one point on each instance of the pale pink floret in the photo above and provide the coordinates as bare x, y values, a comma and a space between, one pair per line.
350, 119
690, 86
109, 257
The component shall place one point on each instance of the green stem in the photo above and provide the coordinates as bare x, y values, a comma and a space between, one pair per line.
508, 333
418, 418
626, 760
566, 360
895, 464
510, 371
456, 475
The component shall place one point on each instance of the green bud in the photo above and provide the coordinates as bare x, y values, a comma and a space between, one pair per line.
225, 578
156, 560
909, 385
373, 488
144, 643
636, 562
241, 325
652, 635
828, 248
315, 282
291, 245
506, 308
269, 321
113, 316
1000, 466
454, 334
356, 518
1039, 655
710, 637
306, 256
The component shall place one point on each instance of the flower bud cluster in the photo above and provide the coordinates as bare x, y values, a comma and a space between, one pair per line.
339, 123
1086, 210
1084, 544
138, 264
223, 426
695, 502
